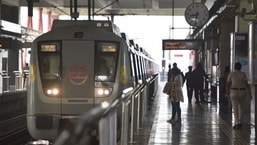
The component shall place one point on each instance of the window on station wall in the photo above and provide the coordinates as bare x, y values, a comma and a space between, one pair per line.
4, 64
5, 43
10, 13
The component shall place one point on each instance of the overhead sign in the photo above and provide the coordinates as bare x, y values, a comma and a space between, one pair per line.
11, 27
178, 55
182, 44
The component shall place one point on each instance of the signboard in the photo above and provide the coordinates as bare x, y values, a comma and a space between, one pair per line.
182, 44
11, 27
239, 51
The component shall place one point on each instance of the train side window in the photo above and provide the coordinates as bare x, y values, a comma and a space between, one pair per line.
135, 67
143, 68
105, 61
139, 68
132, 66
148, 68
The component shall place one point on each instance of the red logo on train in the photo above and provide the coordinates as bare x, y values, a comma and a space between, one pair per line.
78, 75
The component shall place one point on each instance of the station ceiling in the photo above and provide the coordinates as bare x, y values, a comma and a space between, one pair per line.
114, 7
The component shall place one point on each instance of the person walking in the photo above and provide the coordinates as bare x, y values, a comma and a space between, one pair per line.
199, 75
189, 84
176, 96
237, 89
169, 73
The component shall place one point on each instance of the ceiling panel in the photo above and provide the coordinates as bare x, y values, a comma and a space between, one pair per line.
120, 7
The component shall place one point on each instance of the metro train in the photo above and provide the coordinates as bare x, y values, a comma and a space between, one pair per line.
76, 66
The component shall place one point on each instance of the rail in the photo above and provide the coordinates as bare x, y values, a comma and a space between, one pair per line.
5, 82
20, 83
11, 126
132, 106
102, 114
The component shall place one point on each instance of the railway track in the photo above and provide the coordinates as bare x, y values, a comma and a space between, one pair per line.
14, 131
19, 137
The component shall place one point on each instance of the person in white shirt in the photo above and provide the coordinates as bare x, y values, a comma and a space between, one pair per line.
237, 89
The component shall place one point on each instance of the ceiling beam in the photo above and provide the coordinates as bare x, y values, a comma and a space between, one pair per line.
11, 2
103, 3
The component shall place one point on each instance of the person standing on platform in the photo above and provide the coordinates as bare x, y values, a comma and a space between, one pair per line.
175, 67
25, 73
199, 75
189, 84
176, 96
238, 89
169, 73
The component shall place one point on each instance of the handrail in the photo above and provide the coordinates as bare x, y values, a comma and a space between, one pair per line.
84, 126
125, 93
104, 117
88, 121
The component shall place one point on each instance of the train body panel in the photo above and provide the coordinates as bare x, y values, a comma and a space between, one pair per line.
77, 86
74, 68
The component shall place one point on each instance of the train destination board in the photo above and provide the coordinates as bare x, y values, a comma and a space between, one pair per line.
182, 44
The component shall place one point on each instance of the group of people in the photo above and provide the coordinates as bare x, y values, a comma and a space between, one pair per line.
194, 81
237, 88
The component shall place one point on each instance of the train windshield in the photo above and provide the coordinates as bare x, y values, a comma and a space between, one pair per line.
49, 64
105, 61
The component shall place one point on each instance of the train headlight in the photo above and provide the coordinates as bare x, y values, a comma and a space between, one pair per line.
53, 92
103, 92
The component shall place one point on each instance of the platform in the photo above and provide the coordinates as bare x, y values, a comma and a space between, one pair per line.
206, 123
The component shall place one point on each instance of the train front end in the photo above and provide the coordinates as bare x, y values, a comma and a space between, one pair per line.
72, 70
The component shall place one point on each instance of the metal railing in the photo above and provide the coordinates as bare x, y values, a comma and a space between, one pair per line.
104, 116
5, 81
18, 80
10, 126
130, 105
20, 84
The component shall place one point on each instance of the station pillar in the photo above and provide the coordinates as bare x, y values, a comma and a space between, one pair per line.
227, 26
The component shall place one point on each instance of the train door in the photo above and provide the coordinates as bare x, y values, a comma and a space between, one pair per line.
78, 77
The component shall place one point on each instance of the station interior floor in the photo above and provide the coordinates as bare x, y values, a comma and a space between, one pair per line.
205, 124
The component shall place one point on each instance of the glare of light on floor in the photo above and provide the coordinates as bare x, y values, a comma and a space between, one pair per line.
40, 142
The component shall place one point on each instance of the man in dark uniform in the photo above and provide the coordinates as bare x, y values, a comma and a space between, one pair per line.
199, 75
189, 84
169, 73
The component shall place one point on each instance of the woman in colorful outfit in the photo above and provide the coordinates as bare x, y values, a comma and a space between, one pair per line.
176, 96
